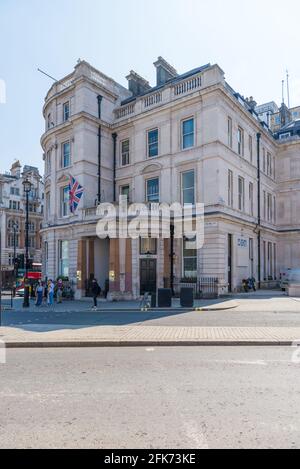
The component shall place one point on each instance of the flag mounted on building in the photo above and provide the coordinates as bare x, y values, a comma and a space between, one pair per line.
75, 194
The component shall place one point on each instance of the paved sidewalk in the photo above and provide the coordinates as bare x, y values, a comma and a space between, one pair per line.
147, 336
103, 305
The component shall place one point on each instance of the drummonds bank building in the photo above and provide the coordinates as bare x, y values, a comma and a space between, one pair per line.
190, 139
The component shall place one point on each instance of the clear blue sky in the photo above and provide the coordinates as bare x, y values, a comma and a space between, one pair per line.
254, 41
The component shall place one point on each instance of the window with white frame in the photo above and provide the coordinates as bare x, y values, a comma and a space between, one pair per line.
188, 133
189, 258
241, 194
152, 189
31, 226
125, 191
188, 187
152, 143
63, 258
65, 198
125, 152
66, 111
66, 154
240, 141
12, 240
230, 188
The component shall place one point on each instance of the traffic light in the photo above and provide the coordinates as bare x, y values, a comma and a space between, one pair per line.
21, 261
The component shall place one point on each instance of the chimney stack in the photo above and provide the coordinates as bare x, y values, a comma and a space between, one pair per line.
252, 103
137, 84
15, 170
164, 71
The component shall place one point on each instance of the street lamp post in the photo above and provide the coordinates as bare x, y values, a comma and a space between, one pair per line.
15, 226
27, 189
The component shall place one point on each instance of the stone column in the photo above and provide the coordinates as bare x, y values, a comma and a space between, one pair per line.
128, 267
114, 266
81, 267
167, 261
122, 260
91, 257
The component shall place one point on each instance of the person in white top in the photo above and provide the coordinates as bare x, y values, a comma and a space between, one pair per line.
51, 287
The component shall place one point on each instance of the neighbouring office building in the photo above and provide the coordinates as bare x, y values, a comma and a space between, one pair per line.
190, 138
13, 215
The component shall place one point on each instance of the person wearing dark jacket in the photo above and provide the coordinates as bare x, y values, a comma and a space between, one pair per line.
95, 292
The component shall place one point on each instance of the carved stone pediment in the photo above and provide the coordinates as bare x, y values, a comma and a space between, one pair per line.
64, 178
152, 168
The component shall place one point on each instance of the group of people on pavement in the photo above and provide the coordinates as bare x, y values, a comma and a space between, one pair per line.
45, 292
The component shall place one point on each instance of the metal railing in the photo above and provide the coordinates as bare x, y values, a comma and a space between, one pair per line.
204, 287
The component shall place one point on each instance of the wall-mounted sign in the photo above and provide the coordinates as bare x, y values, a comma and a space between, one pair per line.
242, 243
242, 252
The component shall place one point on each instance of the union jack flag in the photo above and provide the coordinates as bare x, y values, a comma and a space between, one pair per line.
75, 194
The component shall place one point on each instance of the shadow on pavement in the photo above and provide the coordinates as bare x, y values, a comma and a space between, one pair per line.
76, 315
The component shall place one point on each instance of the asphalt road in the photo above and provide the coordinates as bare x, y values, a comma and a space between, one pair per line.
229, 318
150, 398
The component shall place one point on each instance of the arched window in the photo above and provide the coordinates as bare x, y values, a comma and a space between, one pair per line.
13, 224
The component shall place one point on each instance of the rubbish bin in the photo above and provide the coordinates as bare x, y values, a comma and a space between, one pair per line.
164, 298
187, 297
153, 300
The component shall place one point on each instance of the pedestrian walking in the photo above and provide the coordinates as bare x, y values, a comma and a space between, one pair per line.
59, 291
39, 294
51, 288
96, 290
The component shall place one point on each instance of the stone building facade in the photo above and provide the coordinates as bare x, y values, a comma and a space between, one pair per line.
13, 214
189, 139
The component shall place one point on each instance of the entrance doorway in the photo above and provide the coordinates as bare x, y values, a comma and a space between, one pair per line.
229, 249
148, 276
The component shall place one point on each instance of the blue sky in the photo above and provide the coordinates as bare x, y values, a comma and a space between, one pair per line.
253, 41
